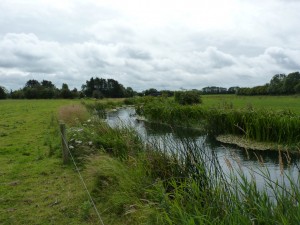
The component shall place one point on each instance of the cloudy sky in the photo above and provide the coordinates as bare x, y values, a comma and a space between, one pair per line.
164, 44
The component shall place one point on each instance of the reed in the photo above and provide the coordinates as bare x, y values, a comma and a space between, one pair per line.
181, 182
260, 125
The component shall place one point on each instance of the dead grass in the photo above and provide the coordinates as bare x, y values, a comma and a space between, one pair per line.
73, 114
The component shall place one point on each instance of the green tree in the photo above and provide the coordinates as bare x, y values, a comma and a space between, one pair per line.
18, 94
99, 87
32, 89
152, 92
65, 91
290, 82
276, 84
297, 88
3, 93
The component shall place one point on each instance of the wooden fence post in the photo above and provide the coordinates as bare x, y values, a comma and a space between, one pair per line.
64, 143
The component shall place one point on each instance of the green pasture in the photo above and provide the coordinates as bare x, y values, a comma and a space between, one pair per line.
35, 187
277, 103
131, 183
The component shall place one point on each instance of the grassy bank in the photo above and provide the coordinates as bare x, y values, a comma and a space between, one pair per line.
224, 117
137, 183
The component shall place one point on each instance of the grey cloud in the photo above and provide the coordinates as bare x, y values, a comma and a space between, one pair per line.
283, 58
28, 53
134, 53
72, 44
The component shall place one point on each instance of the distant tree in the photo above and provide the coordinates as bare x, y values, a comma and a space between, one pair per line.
151, 92
18, 94
97, 94
99, 87
47, 84
32, 84
232, 90
75, 93
167, 93
47, 90
129, 92
297, 88
292, 80
3, 92
65, 91
276, 84
115, 89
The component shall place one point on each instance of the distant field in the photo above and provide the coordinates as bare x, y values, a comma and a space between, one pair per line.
35, 187
262, 102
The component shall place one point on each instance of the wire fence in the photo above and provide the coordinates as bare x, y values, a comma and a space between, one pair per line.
66, 150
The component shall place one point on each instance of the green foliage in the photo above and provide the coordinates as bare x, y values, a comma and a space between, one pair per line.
187, 97
3, 93
65, 91
261, 125
279, 84
185, 185
290, 82
108, 88
276, 84
151, 92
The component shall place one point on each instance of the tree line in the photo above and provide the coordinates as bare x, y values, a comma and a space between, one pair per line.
280, 84
93, 88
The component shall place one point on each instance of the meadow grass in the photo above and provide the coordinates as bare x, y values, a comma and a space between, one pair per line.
131, 182
273, 103
35, 187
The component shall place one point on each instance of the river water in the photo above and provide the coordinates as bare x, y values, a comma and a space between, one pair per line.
250, 162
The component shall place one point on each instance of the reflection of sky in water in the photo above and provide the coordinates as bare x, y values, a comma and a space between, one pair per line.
169, 138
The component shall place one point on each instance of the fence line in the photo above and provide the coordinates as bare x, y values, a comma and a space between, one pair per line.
65, 158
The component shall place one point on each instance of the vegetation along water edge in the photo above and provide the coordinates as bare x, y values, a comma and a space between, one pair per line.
261, 123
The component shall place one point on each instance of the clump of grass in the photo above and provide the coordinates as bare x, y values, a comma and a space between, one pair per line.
120, 189
72, 114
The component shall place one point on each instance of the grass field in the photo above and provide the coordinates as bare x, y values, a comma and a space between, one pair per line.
258, 102
35, 187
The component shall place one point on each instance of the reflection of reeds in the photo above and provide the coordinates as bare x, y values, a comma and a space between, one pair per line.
281, 166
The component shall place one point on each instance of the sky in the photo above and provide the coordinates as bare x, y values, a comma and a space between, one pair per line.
162, 44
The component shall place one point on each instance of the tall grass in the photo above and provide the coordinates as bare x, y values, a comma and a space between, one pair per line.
260, 125
72, 114
180, 182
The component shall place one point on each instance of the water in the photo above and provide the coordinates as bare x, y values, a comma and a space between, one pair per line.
250, 162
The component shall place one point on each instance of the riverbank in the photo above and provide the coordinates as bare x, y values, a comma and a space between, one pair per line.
260, 125
144, 183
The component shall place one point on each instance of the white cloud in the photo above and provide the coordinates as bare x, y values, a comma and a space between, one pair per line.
143, 44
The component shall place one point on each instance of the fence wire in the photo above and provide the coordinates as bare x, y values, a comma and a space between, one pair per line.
81, 178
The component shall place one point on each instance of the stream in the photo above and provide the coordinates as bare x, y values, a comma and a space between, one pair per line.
250, 162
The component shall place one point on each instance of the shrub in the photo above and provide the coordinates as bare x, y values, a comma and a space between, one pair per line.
187, 97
